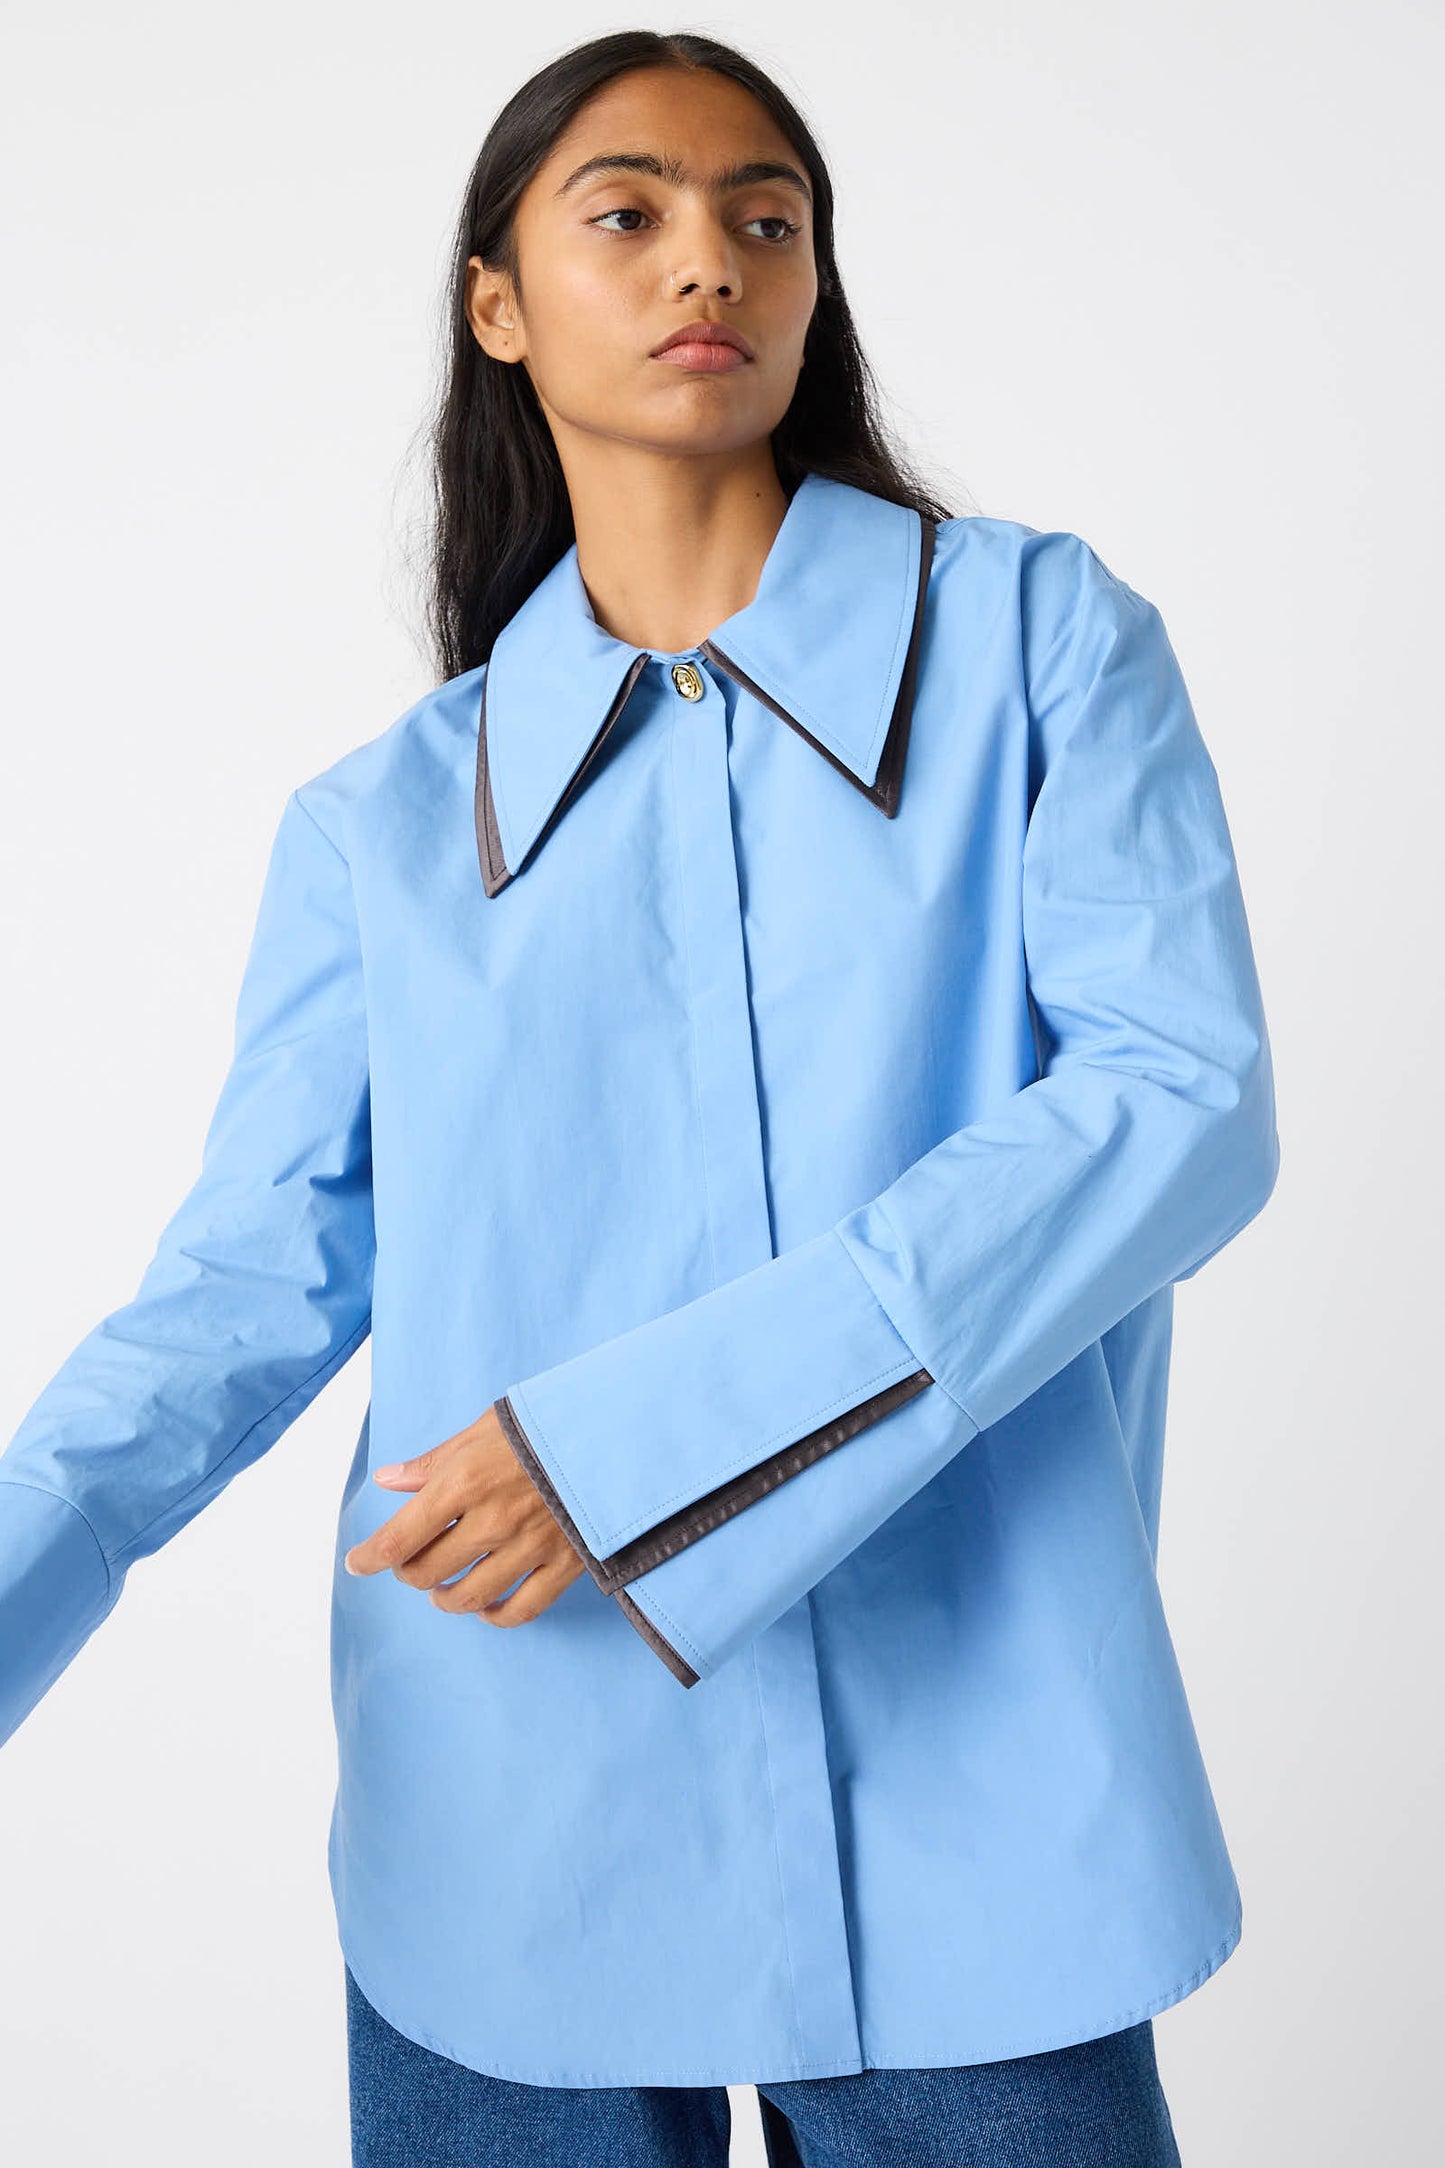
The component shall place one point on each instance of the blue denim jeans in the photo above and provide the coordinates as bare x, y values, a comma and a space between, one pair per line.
1097, 2105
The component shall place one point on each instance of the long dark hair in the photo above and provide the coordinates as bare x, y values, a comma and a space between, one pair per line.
500, 515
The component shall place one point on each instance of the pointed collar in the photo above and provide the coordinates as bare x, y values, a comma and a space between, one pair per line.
829, 644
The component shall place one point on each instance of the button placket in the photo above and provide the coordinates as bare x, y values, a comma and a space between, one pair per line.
812, 1905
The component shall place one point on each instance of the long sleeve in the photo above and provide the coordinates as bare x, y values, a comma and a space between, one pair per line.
712, 1463
258, 1290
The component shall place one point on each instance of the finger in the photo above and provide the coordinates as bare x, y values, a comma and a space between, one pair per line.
433, 1509
489, 1578
465, 1543
541, 1588
409, 1474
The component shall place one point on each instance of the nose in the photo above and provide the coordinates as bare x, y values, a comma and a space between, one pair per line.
704, 261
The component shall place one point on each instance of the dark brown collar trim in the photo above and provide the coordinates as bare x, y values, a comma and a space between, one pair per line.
489, 843
883, 791
887, 784
495, 871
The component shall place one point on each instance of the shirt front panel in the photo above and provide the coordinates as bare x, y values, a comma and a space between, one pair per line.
788, 1078
723, 1003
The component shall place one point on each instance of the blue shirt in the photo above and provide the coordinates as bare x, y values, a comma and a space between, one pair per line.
788, 1077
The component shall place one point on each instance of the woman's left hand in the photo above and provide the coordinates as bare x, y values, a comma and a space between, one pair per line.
475, 1506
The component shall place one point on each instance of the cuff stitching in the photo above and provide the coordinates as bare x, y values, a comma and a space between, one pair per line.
847, 1251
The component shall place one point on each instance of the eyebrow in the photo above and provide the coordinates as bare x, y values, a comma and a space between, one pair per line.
672, 170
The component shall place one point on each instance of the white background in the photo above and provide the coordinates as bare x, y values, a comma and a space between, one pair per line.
1167, 275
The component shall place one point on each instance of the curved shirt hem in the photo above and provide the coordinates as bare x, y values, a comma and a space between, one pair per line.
900, 2058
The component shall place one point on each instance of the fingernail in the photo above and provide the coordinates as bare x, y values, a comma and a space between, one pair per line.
383, 1473
348, 1565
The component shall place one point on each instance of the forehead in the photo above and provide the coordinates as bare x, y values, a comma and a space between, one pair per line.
696, 121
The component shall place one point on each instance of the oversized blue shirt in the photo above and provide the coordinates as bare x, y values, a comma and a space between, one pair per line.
789, 1078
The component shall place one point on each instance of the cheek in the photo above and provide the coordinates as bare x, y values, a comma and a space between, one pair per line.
789, 309
588, 330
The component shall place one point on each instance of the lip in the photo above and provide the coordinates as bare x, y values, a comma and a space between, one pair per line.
704, 344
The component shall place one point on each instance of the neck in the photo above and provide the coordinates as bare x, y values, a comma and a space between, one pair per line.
670, 547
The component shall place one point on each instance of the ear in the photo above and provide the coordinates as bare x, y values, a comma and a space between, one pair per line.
492, 312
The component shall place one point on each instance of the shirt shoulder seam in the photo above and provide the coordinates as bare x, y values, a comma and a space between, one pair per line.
325, 834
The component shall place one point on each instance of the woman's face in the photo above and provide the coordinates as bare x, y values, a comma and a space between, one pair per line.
615, 258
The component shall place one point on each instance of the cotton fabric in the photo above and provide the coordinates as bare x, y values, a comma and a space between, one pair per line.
789, 1077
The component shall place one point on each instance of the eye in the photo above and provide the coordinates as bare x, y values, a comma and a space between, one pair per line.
790, 226
624, 211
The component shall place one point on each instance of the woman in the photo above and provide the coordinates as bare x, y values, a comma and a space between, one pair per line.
754, 1048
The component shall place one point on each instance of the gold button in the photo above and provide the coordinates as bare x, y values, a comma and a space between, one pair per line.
687, 680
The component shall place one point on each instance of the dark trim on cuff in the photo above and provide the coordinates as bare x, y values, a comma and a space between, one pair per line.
676, 1664
714, 1507
740, 1491
522, 1446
